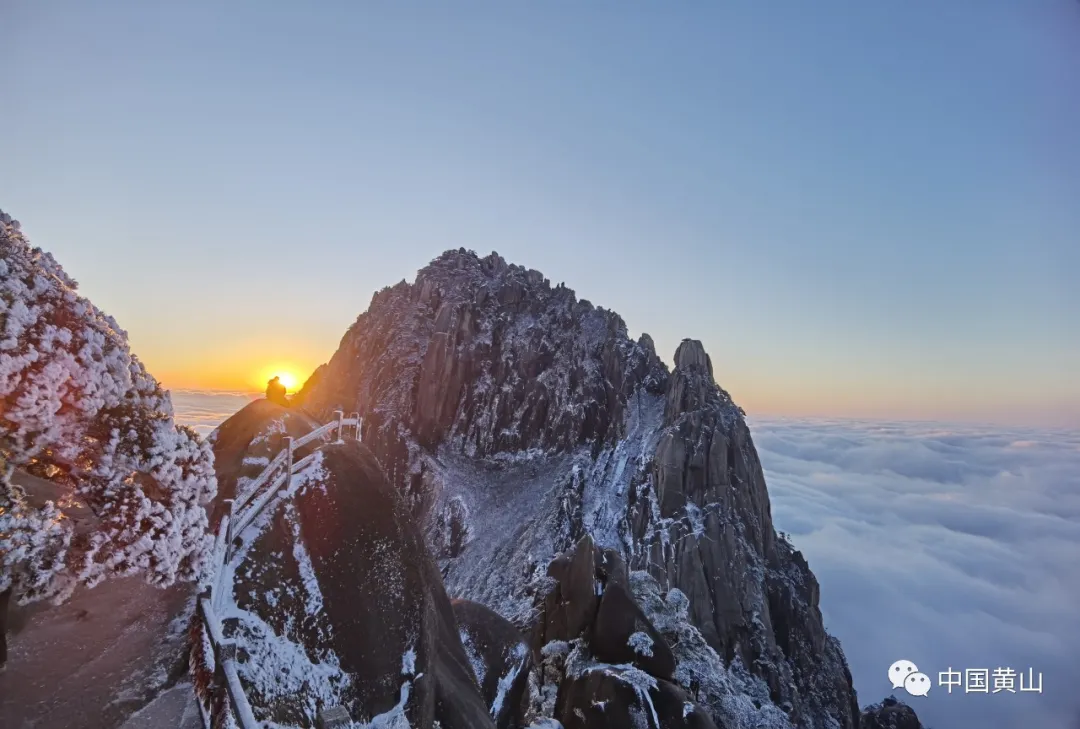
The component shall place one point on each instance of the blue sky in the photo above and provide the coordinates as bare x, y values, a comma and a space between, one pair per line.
862, 208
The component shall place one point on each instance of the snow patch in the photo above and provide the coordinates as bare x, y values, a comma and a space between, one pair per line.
394, 718
476, 660
313, 600
506, 681
642, 644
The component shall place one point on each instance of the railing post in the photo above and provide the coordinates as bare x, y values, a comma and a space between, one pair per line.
288, 461
208, 595
230, 528
231, 516
219, 703
217, 697
356, 425
340, 414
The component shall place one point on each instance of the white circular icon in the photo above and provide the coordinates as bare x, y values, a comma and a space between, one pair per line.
917, 684
899, 671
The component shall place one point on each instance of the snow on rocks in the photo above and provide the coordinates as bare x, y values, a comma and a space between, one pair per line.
287, 658
641, 643
735, 698
335, 603
503, 701
499, 656
597, 694
476, 660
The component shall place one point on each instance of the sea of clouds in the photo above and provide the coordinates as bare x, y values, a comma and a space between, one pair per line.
204, 411
949, 546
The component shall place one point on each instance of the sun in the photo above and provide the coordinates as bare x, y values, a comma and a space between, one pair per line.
287, 379
286, 375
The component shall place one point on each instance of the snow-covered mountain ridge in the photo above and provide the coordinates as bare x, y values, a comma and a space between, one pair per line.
519, 420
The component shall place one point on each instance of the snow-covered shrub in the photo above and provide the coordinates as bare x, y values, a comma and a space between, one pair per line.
114, 487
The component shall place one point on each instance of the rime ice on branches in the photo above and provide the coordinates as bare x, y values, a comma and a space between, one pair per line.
96, 479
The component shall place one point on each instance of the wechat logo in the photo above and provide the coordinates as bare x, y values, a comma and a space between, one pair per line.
905, 675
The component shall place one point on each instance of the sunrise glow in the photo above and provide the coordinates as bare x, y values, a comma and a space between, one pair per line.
287, 375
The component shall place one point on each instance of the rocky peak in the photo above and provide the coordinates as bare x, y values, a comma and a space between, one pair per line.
490, 356
691, 356
692, 387
7, 220
524, 421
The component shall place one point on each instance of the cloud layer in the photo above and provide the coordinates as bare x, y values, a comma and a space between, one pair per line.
204, 411
947, 546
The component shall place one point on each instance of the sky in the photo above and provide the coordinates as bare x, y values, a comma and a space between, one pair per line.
862, 209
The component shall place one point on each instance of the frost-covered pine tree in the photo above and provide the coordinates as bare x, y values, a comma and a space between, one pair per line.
95, 478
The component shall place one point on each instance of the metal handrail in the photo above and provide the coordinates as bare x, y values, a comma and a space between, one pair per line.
316, 434
260, 480
242, 512
244, 519
304, 462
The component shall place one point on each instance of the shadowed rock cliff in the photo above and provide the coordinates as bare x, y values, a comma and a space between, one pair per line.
336, 601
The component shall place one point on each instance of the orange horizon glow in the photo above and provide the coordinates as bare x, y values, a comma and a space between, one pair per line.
246, 365
236, 375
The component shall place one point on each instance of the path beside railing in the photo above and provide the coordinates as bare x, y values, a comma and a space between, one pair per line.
224, 698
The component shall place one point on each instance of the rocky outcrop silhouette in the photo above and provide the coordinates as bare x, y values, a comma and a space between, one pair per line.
488, 355
890, 714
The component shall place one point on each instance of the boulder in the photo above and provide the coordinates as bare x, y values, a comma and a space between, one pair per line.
622, 634
499, 656
570, 608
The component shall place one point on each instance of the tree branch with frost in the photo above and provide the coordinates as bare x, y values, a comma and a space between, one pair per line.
97, 479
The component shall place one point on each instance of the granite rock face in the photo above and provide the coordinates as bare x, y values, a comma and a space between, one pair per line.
500, 658
703, 524
617, 697
564, 477
618, 669
486, 355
